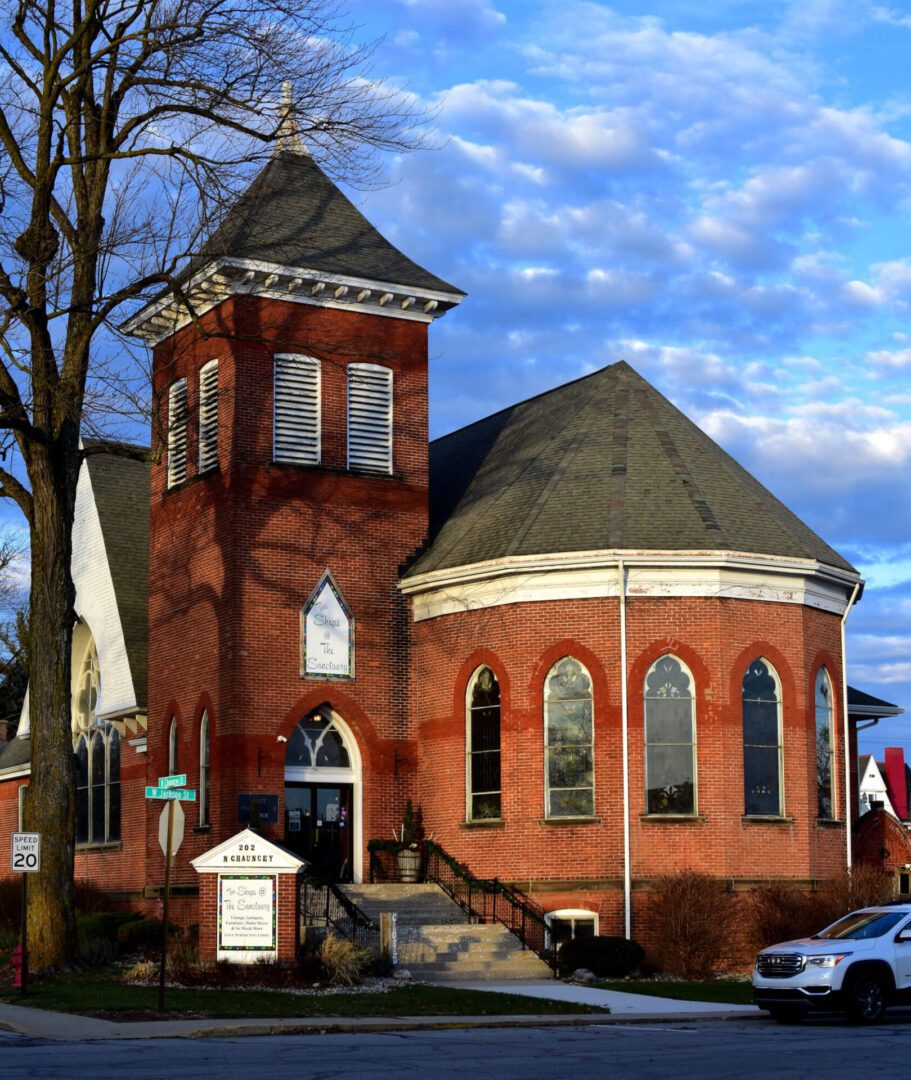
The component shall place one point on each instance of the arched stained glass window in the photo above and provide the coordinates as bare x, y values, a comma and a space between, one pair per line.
87, 690
824, 744
317, 743
98, 786
762, 750
173, 747
483, 746
569, 741
670, 739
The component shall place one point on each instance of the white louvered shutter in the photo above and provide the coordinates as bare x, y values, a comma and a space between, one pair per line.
208, 416
297, 410
177, 433
369, 418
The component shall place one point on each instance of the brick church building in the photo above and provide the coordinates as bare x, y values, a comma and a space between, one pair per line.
578, 635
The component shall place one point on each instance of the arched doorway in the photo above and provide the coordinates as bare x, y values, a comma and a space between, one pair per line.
323, 796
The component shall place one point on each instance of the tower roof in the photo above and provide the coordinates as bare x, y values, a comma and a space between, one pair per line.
605, 462
294, 215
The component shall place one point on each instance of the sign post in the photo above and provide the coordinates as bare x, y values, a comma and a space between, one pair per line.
170, 788
25, 859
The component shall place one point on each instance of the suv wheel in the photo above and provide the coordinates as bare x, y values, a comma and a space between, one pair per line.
866, 998
785, 1014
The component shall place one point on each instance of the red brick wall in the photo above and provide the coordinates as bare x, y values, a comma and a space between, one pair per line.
716, 638
235, 555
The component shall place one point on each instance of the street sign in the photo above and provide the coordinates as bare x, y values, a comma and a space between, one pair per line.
181, 794
177, 780
26, 853
176, 828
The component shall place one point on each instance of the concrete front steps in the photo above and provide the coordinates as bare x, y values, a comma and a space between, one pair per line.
438, 942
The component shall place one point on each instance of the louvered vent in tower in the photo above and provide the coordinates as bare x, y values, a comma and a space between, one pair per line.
177, 433
297, 410
369, 418
208, 416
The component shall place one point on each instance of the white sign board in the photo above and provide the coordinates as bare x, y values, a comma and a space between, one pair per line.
26, 853
247, 917
328, 633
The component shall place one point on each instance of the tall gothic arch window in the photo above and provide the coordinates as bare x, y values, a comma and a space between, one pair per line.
173, 747
483, 747
670, 738
762, 749
569, 741
204, 769
824, 744
97, 748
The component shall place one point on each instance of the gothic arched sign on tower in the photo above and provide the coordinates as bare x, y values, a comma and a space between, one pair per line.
327, 633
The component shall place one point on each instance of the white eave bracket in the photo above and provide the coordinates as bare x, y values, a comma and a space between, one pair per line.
223, 278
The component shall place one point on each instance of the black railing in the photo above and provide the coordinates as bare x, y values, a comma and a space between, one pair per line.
324, 904
490, 900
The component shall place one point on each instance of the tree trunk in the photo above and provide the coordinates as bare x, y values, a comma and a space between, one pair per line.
51, 802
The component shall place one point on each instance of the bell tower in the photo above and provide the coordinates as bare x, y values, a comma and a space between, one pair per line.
292, 407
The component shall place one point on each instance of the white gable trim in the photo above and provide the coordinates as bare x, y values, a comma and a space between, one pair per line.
247, 852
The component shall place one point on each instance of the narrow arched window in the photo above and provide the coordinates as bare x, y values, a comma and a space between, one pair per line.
208, 416
177, 433
369, 418
173, 754
824, 744
483, 746
762, 751
670, 738
569, 777
82, 791
204, 769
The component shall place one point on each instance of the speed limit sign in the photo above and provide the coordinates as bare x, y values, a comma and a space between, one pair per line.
26, 857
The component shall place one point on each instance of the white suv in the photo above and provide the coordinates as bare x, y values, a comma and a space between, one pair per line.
860, 964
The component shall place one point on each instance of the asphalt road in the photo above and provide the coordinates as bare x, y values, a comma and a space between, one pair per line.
677, 1051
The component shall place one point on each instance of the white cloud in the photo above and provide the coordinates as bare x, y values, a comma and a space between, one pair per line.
895, 358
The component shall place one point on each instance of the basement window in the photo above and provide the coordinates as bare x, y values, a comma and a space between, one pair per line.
567, 924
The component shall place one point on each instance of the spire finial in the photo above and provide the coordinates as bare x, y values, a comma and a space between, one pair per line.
288, 137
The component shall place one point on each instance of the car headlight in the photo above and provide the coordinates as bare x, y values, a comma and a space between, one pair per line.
829, 961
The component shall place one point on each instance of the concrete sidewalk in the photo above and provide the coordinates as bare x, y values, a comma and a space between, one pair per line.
619, 1008
618, 1003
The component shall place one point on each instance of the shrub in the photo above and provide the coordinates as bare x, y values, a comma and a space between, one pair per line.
143, 935
98, 935
781, 913
90, 898
606, 957
863, 886
343, 962
692, 922
10, 904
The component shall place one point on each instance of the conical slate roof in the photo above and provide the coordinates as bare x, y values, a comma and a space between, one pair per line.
293, 215
605, 462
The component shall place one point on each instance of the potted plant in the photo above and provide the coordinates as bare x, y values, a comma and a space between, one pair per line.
409, 853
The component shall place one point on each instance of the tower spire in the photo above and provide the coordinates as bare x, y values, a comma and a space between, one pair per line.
288, 137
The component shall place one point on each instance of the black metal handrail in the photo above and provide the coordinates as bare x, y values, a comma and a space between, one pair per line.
490, 900
324, 904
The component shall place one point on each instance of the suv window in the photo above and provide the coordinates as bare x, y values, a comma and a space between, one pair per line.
863, 924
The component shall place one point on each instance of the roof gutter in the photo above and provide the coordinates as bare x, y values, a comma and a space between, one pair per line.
844, 698
624, 714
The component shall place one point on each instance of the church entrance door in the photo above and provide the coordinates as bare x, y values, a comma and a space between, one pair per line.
319, 827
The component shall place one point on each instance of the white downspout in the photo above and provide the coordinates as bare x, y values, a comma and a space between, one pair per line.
844, 706
624, 714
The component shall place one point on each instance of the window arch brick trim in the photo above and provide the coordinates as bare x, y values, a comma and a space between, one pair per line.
590, 660
173, 712
639, 668
369, 742
478, 659
766, 651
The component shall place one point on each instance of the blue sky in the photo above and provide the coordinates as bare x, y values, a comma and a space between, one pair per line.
719, 193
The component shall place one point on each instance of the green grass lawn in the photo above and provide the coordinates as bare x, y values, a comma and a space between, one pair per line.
722, 991
102, 994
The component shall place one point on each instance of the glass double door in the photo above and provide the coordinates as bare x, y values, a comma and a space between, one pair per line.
318, 827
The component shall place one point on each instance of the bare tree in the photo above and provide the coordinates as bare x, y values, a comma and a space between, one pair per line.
125, 125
